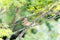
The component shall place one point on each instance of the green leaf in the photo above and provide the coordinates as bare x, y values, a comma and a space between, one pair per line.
48, 25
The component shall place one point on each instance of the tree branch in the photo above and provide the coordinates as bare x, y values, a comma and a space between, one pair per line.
14, 19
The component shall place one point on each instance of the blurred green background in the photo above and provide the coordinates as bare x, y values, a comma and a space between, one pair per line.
13, 12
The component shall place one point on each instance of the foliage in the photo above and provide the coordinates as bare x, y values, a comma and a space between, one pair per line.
13, 12
5, 32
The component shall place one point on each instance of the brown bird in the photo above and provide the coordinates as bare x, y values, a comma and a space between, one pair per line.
25, 22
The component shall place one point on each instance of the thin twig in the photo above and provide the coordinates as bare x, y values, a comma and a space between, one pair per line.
14, 19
